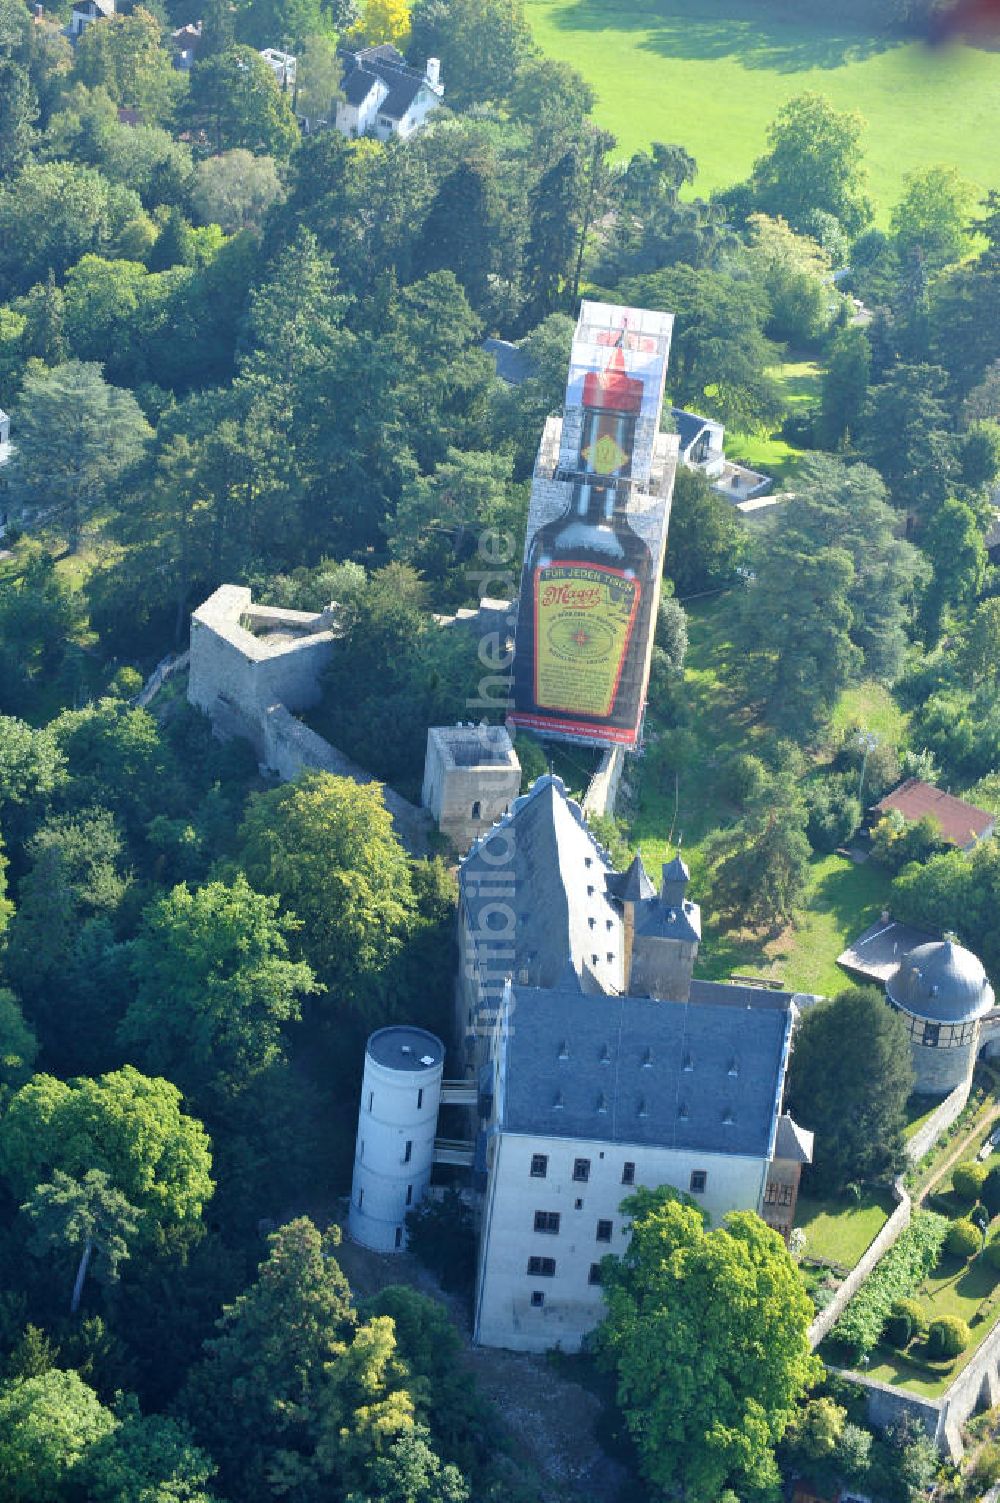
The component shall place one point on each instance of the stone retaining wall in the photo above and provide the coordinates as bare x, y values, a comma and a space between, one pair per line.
941, 1119
289, 746
602, 791
900, 1218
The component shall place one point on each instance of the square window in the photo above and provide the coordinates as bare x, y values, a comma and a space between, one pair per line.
544, 1268
547, 1221
537, 1298
578, 1205
628, 1172
594, 1277
539, 1165
581, 1169
604, 1230
699, 1179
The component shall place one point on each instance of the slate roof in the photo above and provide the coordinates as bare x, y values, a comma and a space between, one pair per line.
941, 982
706, 1076
876, 953
363, 69
961, 824
793, 1143
631, 886
512, 364
543, 863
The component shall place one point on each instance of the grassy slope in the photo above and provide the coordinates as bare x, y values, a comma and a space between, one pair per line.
843, 898
712, 77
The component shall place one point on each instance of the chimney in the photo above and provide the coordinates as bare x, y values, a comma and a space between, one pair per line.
433, 74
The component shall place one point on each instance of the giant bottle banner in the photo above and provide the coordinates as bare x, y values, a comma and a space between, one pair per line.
596, 536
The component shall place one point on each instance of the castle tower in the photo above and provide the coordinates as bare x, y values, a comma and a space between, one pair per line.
471, 778
397, 1121
666, 934
942, 992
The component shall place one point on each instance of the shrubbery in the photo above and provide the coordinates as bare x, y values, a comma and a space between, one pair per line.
992, 1253
963, 1238
907, 1321
968, 1179
947, 1336
900, 1272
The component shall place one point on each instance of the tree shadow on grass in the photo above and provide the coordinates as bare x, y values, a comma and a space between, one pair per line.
767, 35
854, 895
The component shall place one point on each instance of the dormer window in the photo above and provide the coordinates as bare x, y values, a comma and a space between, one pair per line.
564, 1050
558, 1104
647, 1058
602, 1103
728, 1117
683, 1114
734, 1068
642, 1110
605, 1055
688, 1061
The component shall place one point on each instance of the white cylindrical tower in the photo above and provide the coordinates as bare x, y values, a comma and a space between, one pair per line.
397, 1122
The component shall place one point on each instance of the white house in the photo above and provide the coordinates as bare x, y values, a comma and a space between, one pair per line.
702, 447
282, 65
86, 11
383, 95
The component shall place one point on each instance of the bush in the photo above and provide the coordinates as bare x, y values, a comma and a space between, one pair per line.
968, 1179
963, 1239
744, 778
907, 1322
986, 1467
947, 1336
990, 1192
901, 1271
441, 1234
834, 811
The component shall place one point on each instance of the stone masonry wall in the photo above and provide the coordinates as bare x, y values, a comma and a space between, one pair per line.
289, 746
940, 1121
900, 1218
602, 791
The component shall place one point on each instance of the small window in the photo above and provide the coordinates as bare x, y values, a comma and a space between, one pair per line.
399, 1236
647, 1059
537, 1299
539, 1165
477, 810
604, 1230
578, 1205
628, 1172
611, 956
594, 1277
581, 1169
592, 923
409, 1195
361, 1155
590, 891
689, 1061
547, 1221
771, 1193
699, 1179
543, 1268
588, 861
564, 1050
361, 1198
371, 1100
785, 1195
932, 1032
408, 1152
420, 1099
602, 1103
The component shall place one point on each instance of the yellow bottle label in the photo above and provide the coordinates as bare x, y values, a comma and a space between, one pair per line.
584, 616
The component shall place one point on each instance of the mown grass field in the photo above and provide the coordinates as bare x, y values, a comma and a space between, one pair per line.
711, 76
839, 1231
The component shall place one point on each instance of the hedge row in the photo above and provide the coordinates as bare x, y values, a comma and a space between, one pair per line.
899, 1274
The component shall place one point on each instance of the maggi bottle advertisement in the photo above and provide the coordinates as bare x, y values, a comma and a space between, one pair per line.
592, 565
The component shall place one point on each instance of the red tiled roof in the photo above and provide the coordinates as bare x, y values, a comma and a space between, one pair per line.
961, 824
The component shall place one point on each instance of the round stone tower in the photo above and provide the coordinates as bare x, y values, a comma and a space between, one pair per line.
397, 1122
942, 992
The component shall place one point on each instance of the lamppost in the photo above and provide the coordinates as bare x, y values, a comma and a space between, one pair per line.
867, 740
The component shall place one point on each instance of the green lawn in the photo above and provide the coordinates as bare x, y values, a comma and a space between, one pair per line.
871, 706
839, 1231
955, 1288
843, 897
799, 382
712, 77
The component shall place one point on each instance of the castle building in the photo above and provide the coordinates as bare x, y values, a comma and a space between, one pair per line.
943, 994
596, 1063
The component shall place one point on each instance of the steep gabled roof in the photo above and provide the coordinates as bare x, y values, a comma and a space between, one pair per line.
961, 824
535, 889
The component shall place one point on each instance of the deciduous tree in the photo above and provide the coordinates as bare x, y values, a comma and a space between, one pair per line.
814, 161
706, 1334
47, 1424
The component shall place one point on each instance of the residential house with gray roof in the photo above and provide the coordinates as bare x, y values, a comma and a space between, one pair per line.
383, 96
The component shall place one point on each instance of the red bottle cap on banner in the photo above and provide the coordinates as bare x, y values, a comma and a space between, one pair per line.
613, 388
